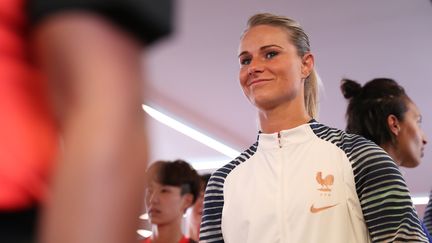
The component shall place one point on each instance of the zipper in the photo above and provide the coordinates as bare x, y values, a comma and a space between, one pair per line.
279, 140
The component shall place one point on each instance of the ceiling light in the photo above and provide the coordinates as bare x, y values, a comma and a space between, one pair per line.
420, 200
208, 164
190, 132
144, 233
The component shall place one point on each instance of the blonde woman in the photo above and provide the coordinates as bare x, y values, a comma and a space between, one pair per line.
301, 181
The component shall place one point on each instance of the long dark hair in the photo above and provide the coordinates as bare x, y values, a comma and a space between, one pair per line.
369, 107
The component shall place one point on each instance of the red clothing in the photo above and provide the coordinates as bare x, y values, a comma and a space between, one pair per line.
28, 136
184, 239
27, 130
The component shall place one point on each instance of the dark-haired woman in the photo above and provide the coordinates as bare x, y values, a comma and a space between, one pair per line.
172, 187
382, 112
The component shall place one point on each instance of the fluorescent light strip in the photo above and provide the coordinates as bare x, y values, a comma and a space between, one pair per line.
190, 132
420, 200
201, 164
144, 233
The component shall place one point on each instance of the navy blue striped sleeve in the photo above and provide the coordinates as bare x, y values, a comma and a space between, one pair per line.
211, 224
427, 220
383, 194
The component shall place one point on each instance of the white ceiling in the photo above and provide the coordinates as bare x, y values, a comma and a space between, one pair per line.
193, 74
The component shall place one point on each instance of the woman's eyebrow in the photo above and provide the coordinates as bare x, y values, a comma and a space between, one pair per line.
261, 48
269, 46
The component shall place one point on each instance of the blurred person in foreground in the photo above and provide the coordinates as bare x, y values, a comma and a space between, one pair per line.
72, 69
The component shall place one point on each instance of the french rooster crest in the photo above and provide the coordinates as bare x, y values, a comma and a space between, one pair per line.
324, 182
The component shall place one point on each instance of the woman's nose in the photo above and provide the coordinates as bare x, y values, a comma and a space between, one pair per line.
255, 67
153, 197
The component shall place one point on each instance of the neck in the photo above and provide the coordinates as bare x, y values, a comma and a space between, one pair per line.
193, 232
167, 233
393, 152
282, 118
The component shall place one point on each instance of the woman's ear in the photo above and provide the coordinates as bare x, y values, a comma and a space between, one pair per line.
393, 124
187, 201
308, 63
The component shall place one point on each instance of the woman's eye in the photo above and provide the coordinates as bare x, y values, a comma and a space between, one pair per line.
271, 54
245, 61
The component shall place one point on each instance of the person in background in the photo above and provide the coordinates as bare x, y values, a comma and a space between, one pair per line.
197, 208
301, 181
71, 72
382, 112
172, 187
427, 219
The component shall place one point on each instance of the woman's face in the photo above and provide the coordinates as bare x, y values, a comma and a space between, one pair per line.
165, 204
271, 72
411, 140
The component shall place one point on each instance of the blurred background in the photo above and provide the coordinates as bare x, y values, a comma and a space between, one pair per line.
193, 75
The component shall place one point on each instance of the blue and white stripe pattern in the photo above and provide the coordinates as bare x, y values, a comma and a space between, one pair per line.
211, 226
427, 219
386, 203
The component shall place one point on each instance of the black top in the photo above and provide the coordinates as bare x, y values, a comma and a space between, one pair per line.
148, 20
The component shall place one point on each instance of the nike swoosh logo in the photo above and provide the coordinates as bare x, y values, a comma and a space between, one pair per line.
317, 210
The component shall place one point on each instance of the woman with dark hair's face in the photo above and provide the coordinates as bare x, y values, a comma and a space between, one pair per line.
410, 140
171, 188
165, 204
381, 111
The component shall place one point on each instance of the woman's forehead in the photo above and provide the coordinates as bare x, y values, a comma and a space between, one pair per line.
263, 35
157, 184
413, 109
